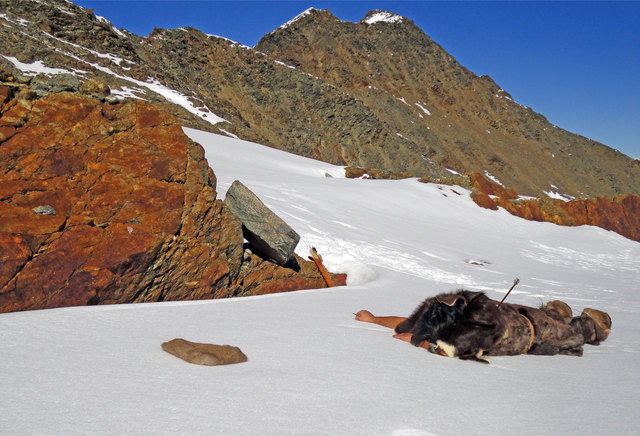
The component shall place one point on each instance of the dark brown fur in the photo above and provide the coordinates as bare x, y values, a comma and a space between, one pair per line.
437, 320
481, 327
407, 325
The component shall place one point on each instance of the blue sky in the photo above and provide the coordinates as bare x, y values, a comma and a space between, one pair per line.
577, 63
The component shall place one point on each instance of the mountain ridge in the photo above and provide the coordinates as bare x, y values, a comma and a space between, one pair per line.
475, 106
305, 88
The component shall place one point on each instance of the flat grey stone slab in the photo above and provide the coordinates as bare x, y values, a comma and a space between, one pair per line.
266, 231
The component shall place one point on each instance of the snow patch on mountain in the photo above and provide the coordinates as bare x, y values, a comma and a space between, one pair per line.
383, 17
285, 65
424, 109
154, 85
38, 67
559, 196
493, 178
17, 20
126, 92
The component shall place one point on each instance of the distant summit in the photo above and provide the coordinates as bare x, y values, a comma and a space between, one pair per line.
444, 114
308, 12
311, 13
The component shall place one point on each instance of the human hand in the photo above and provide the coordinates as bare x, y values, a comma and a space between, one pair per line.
364, 316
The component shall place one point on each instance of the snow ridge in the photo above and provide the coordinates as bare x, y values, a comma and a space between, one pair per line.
231, 42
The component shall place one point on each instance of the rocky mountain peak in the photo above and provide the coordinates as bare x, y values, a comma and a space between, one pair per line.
309, 15
445, 113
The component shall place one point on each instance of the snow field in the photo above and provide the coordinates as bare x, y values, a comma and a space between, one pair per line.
312, 368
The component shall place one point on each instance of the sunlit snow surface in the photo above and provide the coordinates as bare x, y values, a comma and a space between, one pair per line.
312, 369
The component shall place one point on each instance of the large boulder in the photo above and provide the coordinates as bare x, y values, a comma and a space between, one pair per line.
265, 230
108, 203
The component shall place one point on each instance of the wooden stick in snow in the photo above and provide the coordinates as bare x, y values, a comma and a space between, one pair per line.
515, 282
318, 261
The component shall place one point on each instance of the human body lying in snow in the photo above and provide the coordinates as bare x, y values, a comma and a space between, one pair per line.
469, 325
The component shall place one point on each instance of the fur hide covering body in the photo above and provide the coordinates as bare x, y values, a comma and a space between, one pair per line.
468, 325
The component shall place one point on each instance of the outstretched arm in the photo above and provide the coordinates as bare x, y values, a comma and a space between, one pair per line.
407, 338
385, 321
390, 322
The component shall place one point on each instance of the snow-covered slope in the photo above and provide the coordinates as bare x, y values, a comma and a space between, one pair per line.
312, 369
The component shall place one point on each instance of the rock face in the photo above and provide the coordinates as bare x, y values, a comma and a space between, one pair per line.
376, 94
266, 231
204, 354
620, 214
109, 203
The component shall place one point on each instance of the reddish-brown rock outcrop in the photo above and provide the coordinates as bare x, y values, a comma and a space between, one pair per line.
620, 214
108, 203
